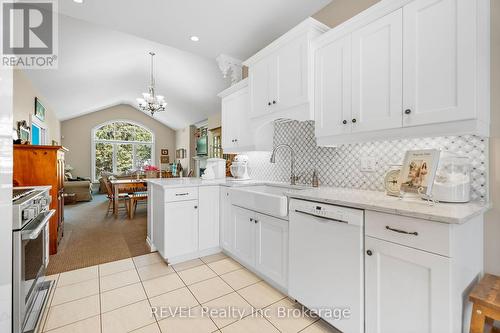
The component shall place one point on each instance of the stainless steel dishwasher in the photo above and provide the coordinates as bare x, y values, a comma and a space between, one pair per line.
326, 262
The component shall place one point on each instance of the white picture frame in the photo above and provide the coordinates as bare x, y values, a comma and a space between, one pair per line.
419, 170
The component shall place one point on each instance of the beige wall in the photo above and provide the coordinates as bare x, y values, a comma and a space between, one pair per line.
76, 135
339, 11
24, 105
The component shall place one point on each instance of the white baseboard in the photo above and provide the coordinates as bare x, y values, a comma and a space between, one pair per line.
152, 248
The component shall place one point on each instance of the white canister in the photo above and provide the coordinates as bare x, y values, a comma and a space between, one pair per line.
218, 165
452, 182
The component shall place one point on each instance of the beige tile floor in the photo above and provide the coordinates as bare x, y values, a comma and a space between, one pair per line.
120, 297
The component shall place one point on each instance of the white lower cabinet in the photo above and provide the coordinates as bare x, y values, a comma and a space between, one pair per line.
261, 243
181, 232
208, 220
272, 248
226, 227
244, 234
406, 288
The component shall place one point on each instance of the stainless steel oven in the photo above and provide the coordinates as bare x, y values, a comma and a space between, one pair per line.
30, 259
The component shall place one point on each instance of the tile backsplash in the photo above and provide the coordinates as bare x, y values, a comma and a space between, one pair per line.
341, 167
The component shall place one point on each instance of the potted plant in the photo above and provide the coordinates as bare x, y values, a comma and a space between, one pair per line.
151, 171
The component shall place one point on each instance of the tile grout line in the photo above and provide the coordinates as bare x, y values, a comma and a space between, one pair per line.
197, 300
100, 306
147, 298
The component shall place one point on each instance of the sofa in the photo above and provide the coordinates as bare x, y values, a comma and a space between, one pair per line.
81, 187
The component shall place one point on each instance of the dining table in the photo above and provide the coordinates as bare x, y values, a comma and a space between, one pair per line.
120, 185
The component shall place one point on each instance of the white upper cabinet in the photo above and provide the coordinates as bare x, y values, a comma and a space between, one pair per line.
332, 93
235, 126
439, 61
404, 69
280, 75
377, 74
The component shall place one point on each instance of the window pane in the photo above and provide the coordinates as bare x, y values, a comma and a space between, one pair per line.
106, 132
143, 155
143, 135
103, 159
125, 131
123, 158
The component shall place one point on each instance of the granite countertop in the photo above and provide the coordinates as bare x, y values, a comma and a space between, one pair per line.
380, 202
188, 182
362, 199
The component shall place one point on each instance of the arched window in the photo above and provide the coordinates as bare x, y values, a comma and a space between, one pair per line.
121, 146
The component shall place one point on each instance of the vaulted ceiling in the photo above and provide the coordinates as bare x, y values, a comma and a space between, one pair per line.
104, 45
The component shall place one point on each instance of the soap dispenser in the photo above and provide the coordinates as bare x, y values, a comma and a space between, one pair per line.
315, 180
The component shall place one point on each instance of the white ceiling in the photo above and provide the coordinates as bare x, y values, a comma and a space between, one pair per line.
103, 54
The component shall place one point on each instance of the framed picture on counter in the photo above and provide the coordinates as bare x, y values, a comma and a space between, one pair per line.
419, 170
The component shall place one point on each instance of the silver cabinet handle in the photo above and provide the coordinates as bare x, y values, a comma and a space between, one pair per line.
180, 194
399, 231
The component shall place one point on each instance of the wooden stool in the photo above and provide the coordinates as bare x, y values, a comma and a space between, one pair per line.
486, 303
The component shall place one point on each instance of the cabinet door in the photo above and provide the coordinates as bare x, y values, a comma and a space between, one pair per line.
439, 61
377, 83
181, 229
244, 234
235, 123
332, 101
259, 76
407, 290
289, 75
226, 225
208, 219
272, 248
230, 123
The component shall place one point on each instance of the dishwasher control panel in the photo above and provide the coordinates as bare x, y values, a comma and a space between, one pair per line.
332, 212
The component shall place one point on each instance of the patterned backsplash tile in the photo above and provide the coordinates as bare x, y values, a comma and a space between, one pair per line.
340, 166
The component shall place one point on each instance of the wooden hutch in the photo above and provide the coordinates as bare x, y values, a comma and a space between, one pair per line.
43, 165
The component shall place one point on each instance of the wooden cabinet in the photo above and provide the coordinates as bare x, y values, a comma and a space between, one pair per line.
271, 257
409, 69
226, 227
43, 165
235, 125
280, 75
406, 288
181, 231
261, 243
208, 220
439, 61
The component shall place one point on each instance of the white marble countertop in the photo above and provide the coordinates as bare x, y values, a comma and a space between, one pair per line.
362, 199
380, 202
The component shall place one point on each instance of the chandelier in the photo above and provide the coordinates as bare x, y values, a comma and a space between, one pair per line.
150, 102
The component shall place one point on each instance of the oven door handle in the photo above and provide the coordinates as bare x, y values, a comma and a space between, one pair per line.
33, 233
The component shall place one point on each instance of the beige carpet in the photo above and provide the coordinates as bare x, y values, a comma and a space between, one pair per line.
92, 238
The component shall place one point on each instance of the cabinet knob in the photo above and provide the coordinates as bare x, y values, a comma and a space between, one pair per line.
256, 221
369, 252
195, 207
344, 122
269, 103
274, 102
251, 219
407, 111
354, 120
235, 140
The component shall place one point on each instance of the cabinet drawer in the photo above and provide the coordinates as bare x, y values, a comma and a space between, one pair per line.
420, 234
181, 194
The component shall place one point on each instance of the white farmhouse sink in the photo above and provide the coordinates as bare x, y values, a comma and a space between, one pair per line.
267, 199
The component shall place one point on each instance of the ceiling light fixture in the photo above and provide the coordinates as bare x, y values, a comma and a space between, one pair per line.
194, 38
150, 102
